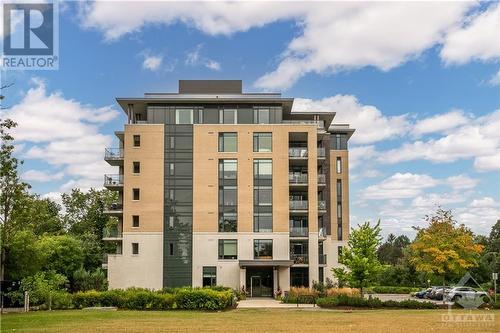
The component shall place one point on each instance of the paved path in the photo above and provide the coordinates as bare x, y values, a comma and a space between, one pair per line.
268, 303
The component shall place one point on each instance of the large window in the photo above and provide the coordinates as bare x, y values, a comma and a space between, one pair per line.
228, 116
262, 142
209, 276
184, 116
339, 165
228, 142
339, 141
228, 249
263, 222
261, 116
228, 196
262, 169
263, 196
263, 249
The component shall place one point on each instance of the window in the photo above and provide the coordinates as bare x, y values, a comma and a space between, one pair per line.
184, 116
172, 142
137, 140
228, 249
339, 209
135, 248
263, 249
136, 194
228, 222
137, 167
339, 141
228, 116
135, 221
200, 116
263, 196
171, 222
228, 142
321, 274
339, 232
263, 222
339, 249
262, 169
262, 142
339, 165
228, 169
261, 116
339, 189
228, 196
171, 249
209, 276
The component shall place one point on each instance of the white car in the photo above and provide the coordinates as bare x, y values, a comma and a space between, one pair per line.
463, 292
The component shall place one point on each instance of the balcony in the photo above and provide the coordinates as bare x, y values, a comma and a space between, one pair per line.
297, 153
321, 206
300, 259
301, 205
112, 234
114, 156
113, 182
299, 231
320, 124
322, 259
297, 179
114, 209
321, 179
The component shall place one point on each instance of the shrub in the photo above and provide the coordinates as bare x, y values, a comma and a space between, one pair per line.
42, 286
300, 295
343, 291
204, 299
391, 290
89, 280
344, 300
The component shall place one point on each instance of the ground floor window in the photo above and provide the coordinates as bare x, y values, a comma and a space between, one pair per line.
209, 276
321, 275
299, 276
263, 249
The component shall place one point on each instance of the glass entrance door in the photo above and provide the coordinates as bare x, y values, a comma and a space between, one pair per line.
259, 281
255, 286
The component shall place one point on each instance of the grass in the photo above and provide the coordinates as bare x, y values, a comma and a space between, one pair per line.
241, 320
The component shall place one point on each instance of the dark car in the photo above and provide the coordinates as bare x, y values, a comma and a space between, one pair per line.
437, 292
422, 293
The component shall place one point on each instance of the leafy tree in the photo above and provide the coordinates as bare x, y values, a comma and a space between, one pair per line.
43, 285
12, 189
62, 254
444, 248
493, 244
360, 257
24, 258
391, 251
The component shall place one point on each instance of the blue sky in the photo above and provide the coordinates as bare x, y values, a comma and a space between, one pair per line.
420, 82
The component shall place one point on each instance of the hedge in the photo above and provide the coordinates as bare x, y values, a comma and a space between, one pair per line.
391, 290
343, 300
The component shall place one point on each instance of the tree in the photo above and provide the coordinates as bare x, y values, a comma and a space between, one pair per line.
493, 244
444, 248
392, 250
62, 254
360, 257
12, 189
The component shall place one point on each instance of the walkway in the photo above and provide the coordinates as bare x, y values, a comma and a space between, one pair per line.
267, 303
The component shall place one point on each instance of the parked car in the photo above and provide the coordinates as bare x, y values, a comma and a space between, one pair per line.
423, 293
436, 292
439, 294
463, 292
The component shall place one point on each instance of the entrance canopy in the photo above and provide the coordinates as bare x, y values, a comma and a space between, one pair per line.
266, 263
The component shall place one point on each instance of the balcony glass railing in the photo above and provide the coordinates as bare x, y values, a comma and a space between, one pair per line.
300, 259
319, 123
113, 180
299, 205
299, 231
115, 206
113, 153
321, 152
322, 259
297, 152
321, 179
297, 178
111, 233
321, 205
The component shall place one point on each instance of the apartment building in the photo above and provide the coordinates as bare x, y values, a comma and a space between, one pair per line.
221, 187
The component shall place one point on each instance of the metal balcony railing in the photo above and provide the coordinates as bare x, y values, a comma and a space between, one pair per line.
297, 152
322, 259
300, 259
321, 152
321, 205
113, 180
115, 206
113, 154
299, 205
297, 178
321, 179
299, 231
319, 123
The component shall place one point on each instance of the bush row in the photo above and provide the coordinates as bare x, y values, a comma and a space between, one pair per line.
343, 300
391, 290
305, 295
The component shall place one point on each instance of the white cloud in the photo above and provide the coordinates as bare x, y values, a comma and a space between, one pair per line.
433, 200
461, 182
399, 186
152, 62
370, 124
62, 132
41, 176
495, 80
360, 154
195, 58
477, 39
484, 202
440, 123
335, 35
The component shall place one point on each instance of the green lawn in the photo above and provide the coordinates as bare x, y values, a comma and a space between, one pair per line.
241, 320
